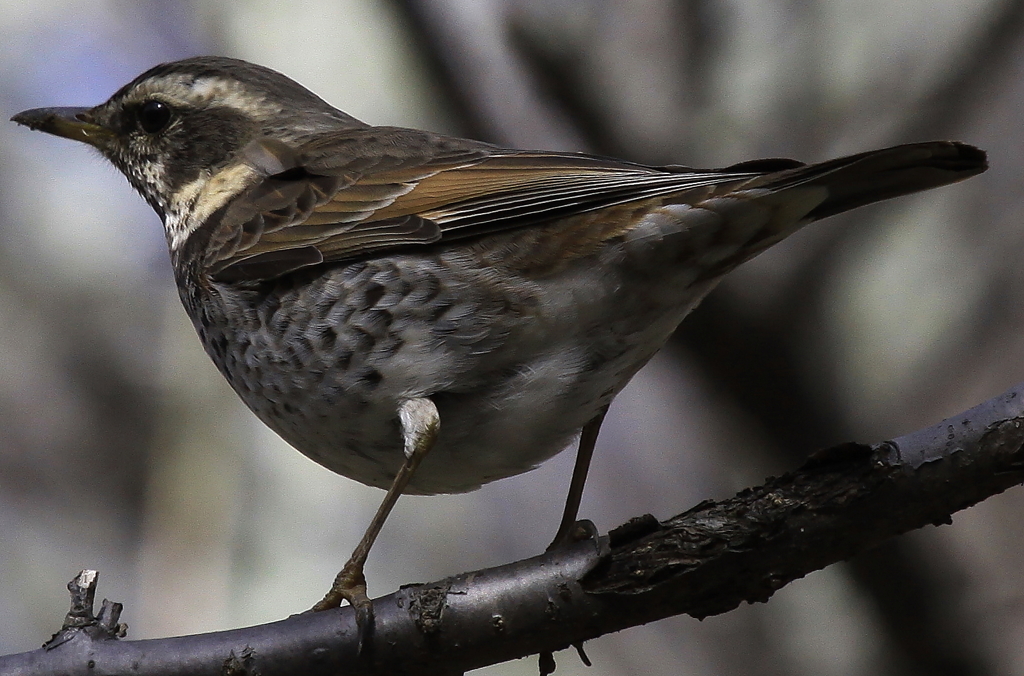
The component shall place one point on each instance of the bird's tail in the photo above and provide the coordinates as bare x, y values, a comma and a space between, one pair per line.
877, 175
756, 213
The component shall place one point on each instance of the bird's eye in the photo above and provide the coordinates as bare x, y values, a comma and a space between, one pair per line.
154, 116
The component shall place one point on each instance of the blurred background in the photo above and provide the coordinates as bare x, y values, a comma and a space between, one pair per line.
122, 449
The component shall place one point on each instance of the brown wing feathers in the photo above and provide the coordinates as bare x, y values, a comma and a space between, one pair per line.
323, 209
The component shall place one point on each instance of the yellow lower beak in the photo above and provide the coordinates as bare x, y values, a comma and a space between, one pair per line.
72, 123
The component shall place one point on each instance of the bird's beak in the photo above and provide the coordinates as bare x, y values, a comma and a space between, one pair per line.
73, 123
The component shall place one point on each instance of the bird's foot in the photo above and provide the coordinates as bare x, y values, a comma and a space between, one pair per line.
584, 529
350, 585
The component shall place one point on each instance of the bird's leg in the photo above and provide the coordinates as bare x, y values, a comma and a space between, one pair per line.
588, 438
420, 423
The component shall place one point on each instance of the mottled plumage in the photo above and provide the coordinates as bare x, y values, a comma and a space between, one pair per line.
336, 271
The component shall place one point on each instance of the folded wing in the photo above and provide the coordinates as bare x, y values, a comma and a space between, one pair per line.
370, 190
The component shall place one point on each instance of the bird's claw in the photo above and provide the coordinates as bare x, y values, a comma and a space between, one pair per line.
350, 585
584, 529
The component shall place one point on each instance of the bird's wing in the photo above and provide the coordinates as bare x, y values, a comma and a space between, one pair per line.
365, 191
372, 190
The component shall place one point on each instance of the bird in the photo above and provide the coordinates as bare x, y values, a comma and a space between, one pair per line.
425, 313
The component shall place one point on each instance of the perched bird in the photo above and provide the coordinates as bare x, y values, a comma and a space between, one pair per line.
384, 297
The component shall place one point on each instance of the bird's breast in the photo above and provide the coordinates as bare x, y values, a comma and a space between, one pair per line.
517, 357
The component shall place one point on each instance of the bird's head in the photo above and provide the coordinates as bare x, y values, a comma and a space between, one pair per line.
178, 124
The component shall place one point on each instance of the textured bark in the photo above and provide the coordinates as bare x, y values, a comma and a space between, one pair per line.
705, 561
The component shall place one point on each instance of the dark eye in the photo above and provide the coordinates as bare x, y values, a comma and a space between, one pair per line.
154, 116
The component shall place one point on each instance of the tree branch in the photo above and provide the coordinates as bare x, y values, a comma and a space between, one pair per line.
703, 562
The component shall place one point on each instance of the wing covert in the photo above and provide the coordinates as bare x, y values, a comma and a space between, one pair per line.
367, 190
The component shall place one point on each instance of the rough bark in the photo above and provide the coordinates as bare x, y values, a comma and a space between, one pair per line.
705, 561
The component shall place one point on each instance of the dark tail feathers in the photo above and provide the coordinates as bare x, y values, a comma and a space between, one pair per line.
881, 174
